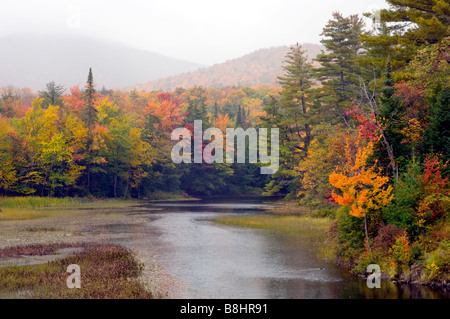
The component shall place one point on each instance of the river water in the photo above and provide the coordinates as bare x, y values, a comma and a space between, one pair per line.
218, 261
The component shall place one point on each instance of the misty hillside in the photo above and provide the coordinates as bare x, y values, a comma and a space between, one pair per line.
33, 61
257, 68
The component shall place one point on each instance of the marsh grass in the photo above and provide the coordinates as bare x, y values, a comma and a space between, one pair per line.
22, 214
298, 226
303, 228
37, 202
289, 208
64, 202
107, 272
33, 207
165, 196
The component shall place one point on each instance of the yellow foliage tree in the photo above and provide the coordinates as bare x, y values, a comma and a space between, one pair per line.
362, 186
7, 170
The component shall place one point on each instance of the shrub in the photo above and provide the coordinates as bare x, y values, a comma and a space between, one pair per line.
350, 234
324, 213
351, 228
400, 253
401, 209
435, 199
311, 201
365, 260
386, 237
437, 263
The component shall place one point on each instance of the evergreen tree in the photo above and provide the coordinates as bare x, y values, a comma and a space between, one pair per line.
239, 117
294, 103
338, 73
89, 111
291, 114
392, 118
52, 95
407, 26
89, 117
197, 106
437, 133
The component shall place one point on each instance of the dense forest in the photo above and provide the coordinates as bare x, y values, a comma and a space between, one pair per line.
117, 144
365, 128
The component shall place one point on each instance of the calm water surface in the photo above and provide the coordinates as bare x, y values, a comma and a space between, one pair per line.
218, 261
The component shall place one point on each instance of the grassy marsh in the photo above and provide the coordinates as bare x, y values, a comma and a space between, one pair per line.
303, 228
107, 272
71, 202
33, 207
22, 214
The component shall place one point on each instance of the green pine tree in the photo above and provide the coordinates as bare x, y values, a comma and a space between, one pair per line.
392, 118
52, 95
407, 26
338, 73
89, 117
437, 133
294, 103
291, 113
197, 106
89, 113
239, 117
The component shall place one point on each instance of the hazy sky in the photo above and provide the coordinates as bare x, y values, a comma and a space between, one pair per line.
202, 31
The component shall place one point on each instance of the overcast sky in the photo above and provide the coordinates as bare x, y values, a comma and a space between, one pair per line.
202, 31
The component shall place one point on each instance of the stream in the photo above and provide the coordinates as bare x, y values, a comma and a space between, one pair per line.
211, 260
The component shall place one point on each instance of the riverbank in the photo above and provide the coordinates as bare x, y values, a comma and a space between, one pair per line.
93, 223
35, 207
16, 202
400, 262
106, 272
23, 208
150, 231
301, 227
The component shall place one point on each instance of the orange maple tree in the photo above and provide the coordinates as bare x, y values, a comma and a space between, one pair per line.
363, 187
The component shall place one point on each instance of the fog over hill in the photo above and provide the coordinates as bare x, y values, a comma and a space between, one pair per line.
257, 68
33, 61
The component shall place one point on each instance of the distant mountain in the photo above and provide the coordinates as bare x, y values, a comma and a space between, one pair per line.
258, 68
33, 61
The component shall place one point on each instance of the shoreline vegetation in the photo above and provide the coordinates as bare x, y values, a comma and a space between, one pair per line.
36, 202
288, 218
109, 271
34, 207
301, 228
319, 227
316, 227
83, 202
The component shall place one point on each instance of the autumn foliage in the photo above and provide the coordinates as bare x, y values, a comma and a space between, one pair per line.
362, 186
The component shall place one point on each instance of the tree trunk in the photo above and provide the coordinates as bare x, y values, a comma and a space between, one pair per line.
307, 128
390, 152
115, 185
125, 193
88, 174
